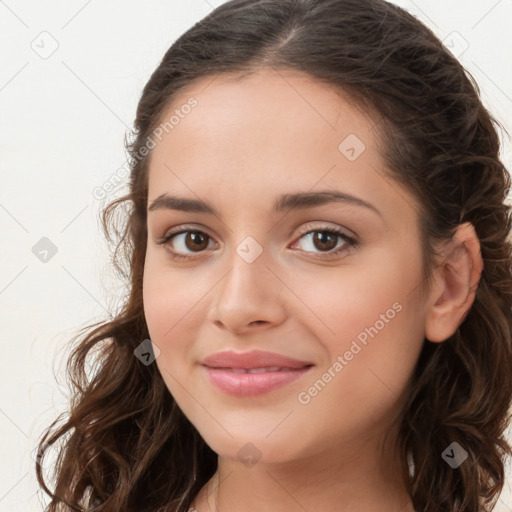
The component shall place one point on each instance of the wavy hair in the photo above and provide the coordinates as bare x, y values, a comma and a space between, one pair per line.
126, 445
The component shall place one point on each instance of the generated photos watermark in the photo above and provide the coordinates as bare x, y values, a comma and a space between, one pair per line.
361, 341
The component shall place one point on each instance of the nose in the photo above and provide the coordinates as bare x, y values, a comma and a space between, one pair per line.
248, 297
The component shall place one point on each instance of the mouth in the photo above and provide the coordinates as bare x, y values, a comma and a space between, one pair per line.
248, 382
246, 374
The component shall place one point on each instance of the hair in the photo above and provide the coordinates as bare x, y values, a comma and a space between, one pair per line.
126, 445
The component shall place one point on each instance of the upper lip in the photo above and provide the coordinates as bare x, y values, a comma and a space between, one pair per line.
253, 359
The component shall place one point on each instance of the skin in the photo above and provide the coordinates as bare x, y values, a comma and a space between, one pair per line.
245, 143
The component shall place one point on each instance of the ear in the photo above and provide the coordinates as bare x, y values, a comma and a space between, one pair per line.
455, 282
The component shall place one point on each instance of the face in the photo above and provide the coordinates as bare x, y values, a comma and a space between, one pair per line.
304, 248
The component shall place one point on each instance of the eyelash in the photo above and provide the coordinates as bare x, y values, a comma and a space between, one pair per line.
349, 241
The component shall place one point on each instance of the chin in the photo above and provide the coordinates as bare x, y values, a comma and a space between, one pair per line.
253, 449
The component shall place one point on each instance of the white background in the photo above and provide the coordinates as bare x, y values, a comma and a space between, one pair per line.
63, 121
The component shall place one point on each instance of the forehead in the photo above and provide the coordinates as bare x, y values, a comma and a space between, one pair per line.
275, 123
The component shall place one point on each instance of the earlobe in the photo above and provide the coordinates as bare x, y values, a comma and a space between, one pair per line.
455, 284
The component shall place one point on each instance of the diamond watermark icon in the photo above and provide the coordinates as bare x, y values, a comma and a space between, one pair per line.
45, 45
249, 249
456, 43
249, 454
147, 352
454, 455
44, 250
351, 147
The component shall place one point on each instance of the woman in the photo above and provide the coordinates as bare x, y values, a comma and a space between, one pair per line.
319, 315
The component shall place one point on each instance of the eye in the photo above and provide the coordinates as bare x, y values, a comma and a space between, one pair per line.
184, 240
326, 239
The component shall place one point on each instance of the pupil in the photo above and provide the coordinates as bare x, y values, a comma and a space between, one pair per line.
195, 237
321, 238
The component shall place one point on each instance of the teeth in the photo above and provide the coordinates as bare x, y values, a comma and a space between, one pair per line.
256, 370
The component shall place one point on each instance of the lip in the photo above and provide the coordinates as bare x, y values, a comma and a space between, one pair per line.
224, 371
253, 359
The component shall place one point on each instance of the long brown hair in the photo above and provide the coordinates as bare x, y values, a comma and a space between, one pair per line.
127, 446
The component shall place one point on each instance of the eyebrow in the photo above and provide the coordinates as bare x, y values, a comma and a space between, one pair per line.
284, 203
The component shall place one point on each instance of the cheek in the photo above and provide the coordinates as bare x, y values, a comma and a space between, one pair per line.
369, 364
159, 305
164, 306
372, 317
341, 303
174, 311
169, 297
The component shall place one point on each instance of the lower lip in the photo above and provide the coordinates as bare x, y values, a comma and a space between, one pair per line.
252, 384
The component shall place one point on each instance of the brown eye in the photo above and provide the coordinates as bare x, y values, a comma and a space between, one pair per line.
327, 240
196, 241
324, 240
184, 244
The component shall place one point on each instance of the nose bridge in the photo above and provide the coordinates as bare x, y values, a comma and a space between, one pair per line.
248, 274
247, 293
